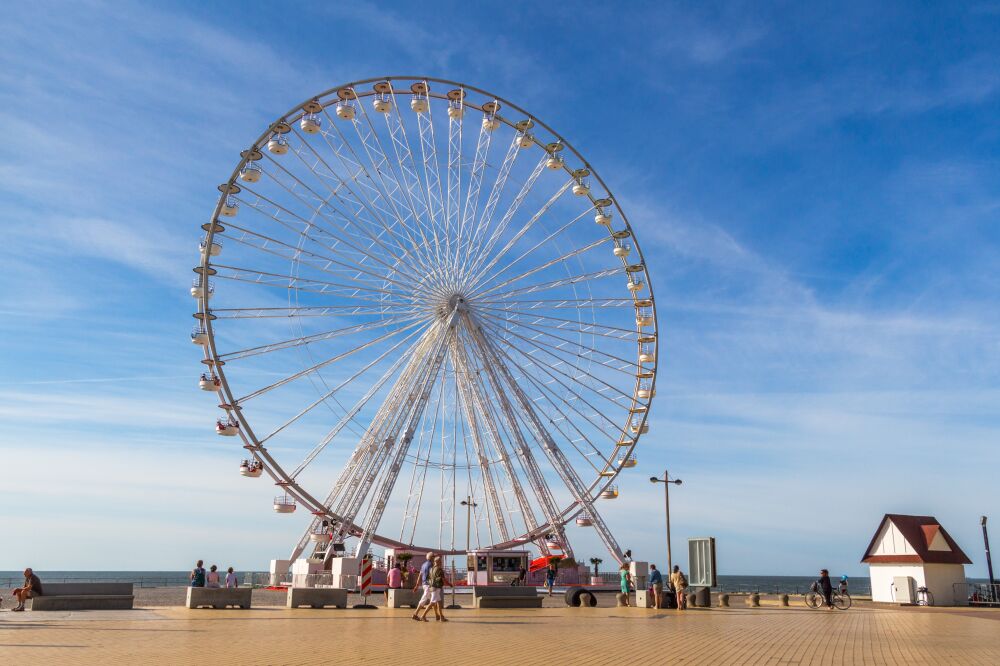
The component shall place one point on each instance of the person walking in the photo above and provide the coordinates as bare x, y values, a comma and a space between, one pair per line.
438, 580
843, 584
231, 581
656, 583
550, 576
522, 576
198, 575
393, 580
680, 583
32, 588
826, 587
626, 579
424, 580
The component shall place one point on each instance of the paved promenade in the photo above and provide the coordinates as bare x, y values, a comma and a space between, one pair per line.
768, 635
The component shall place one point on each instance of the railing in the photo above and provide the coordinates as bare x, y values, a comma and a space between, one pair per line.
978, 594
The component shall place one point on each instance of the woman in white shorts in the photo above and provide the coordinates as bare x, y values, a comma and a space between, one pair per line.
437, 582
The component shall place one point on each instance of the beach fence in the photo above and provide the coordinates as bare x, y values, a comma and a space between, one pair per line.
978, 594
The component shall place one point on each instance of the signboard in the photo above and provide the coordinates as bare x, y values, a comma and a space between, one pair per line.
701, 562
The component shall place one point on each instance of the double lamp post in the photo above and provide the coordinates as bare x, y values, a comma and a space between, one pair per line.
667, 481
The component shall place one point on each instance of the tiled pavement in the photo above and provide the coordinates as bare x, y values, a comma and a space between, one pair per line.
536, 636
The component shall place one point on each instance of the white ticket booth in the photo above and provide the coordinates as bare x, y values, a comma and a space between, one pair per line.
495, 567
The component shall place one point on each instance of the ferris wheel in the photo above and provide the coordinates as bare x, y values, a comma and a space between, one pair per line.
412, 293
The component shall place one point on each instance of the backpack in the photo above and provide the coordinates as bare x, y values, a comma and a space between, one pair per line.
437, 577
682, 579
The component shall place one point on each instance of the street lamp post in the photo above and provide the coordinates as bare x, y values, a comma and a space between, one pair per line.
666, 481
986, 541
468, 504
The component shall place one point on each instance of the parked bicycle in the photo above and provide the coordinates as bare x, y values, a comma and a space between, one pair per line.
814, 598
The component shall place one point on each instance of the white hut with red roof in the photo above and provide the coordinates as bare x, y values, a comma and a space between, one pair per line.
908, 553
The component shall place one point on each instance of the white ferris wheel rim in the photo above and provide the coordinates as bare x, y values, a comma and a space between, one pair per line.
290, 486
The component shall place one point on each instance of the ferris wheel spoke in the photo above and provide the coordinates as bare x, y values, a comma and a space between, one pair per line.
556, 367
432, 180
558, 404
472, 424
323, 336
454, 181
308, 224
555, 303
569, 359
411, 179
418, 477
382, 195
561, 282
504, 223
448, 482
536, 479
525, 228
294, 283
471, 205
548, 264
478, 236
416, 404
320, 221
388, 308
493, 426
546, 242
314, 260
332, 392
390, 192
322, 364
372, 453
556, 457
562, 324
353, 412
319, 202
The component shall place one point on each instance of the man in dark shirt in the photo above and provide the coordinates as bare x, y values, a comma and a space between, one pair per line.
32, 588
826, 587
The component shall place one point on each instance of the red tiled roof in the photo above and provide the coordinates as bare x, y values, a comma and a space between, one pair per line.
919, 531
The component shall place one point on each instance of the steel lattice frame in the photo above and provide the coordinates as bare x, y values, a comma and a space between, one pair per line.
469, 345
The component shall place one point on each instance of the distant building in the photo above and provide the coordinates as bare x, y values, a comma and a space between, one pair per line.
911, 552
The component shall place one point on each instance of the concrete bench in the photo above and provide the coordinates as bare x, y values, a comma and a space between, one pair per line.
317, 597
84, 596
218, 597
505, 596
404, 597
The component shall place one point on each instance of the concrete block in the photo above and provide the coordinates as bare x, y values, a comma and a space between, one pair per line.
317, 597
218, 597
84, 596
401, 597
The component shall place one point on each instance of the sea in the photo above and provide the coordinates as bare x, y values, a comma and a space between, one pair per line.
860, 585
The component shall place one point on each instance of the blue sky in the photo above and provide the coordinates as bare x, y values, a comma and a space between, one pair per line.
817, 187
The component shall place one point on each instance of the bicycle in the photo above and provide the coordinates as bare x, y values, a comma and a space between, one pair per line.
814, 599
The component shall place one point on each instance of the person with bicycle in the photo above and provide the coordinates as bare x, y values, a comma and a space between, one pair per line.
825, 587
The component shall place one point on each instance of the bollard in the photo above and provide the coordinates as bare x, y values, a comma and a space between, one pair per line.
723, 600
621, 599
783, 600
753, 600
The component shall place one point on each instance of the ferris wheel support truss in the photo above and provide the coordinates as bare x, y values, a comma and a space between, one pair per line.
555, 455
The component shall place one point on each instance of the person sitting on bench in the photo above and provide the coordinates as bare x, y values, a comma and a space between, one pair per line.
32, 588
